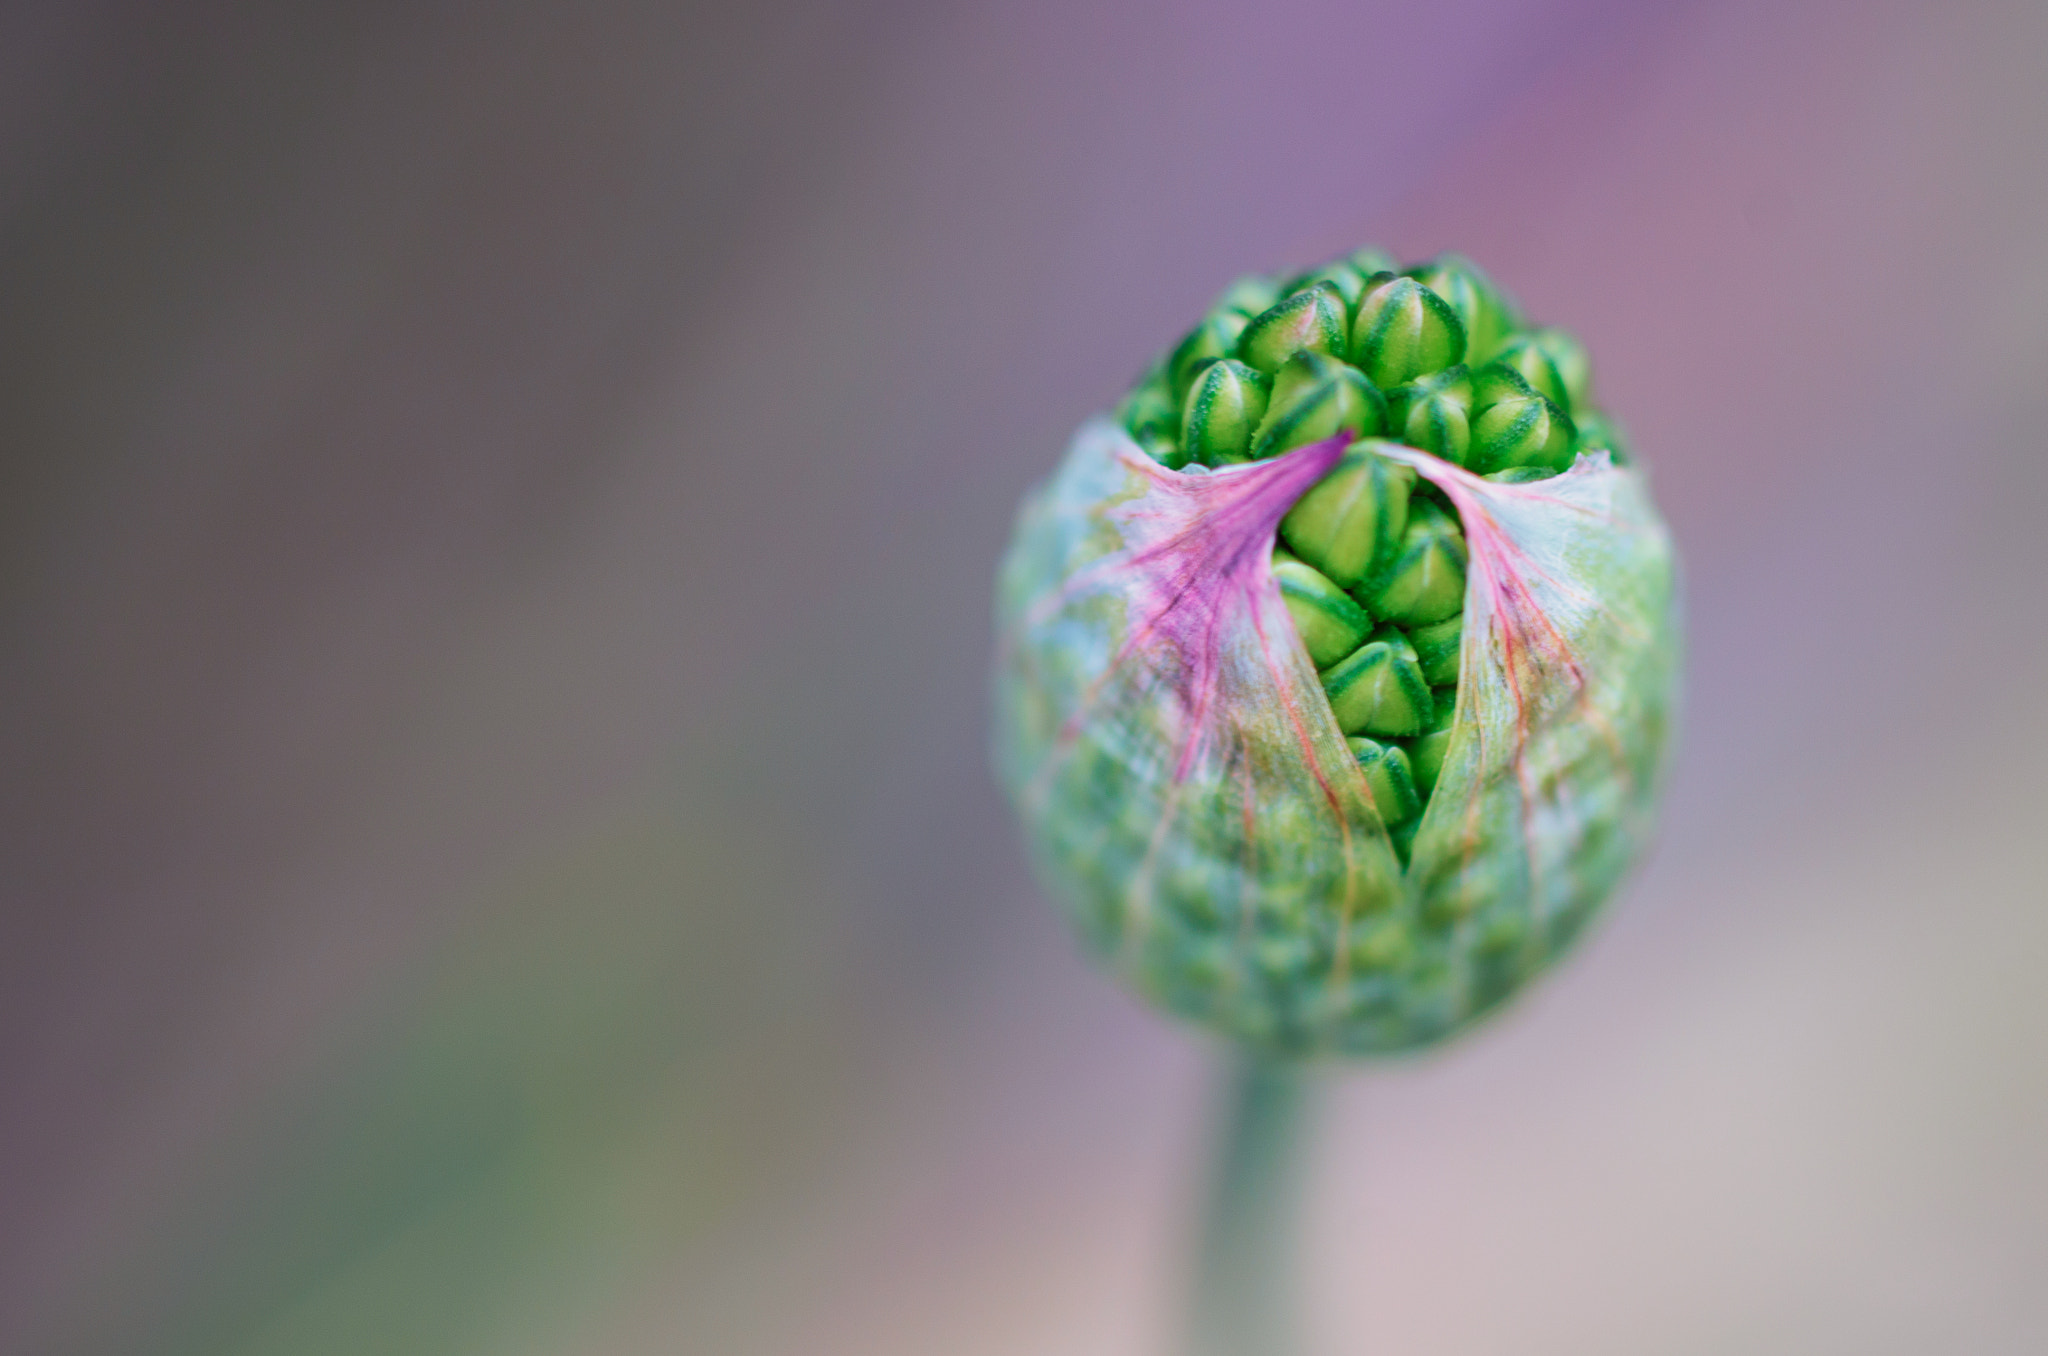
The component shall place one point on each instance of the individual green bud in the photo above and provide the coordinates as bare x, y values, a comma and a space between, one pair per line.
1331, 624
1214, 337
1434, 421
1404, 330
1223, 407
1348, 281
1387, 778
1378, 689
1426, 751
1598, 432
1352, 516
1316, 397
1425, 581
1312, 319
1248, 296
1515, 425
1553, 362
1485, 311
1149, 407
1437, 646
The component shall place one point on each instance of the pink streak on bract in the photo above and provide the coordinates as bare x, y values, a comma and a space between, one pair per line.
1207, 545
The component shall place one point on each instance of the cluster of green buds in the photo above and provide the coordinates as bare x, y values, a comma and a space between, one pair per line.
1358, 828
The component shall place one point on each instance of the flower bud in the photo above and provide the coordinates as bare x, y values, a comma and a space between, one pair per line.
1330, 623
1387, 779
1315, 397
1349, 796
1514, 425
1311, 319
1248, 296
1404, 330
1426, 751
1223, 407
1434, 414
1378, 689
1341, 275
1353, 517
1554, 363
1485, 311
1436, 648
1149, 407
1214, 337
1425, 581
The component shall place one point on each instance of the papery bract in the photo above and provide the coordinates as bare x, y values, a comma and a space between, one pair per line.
1188, 793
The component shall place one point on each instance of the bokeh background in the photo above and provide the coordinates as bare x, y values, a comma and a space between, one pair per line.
496, 533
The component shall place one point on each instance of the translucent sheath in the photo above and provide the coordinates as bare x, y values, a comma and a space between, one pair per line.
1187, 792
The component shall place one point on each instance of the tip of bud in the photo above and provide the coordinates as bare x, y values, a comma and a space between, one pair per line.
1309, 319
1404, 331
1224, 405
1316, 397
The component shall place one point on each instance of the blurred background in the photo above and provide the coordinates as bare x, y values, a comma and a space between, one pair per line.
497, 524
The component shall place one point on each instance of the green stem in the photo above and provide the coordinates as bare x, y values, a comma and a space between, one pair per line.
1245, 1301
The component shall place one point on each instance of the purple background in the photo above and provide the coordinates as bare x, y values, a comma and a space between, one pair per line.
497, 515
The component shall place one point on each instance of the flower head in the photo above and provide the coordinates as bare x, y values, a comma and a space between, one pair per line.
1336, 707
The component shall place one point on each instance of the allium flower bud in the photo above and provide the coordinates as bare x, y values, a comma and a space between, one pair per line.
1248, 296
1404, 331
1379, 689
1329, 621
1515, 425
1215, 337
1485, 311
1347, 796
1434, 414
1353, 518
1311, 319
1314, 397
1553, 362
1224, 407
1424, 582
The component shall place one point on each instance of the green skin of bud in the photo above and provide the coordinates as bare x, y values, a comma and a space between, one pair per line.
1313, 319
1404, 331
1215, 337
1554, 363
1425, 582
1352, 517
1348, 281
1231, 895
1315, 397
1437, 423
1329, 621
1488, 316
1426, 751
1224, 406
1388, 778
1248, 296
1436, 649
1149, 408
1515, 425
1378, 689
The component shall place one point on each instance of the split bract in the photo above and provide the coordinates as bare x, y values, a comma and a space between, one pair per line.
1331, 745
